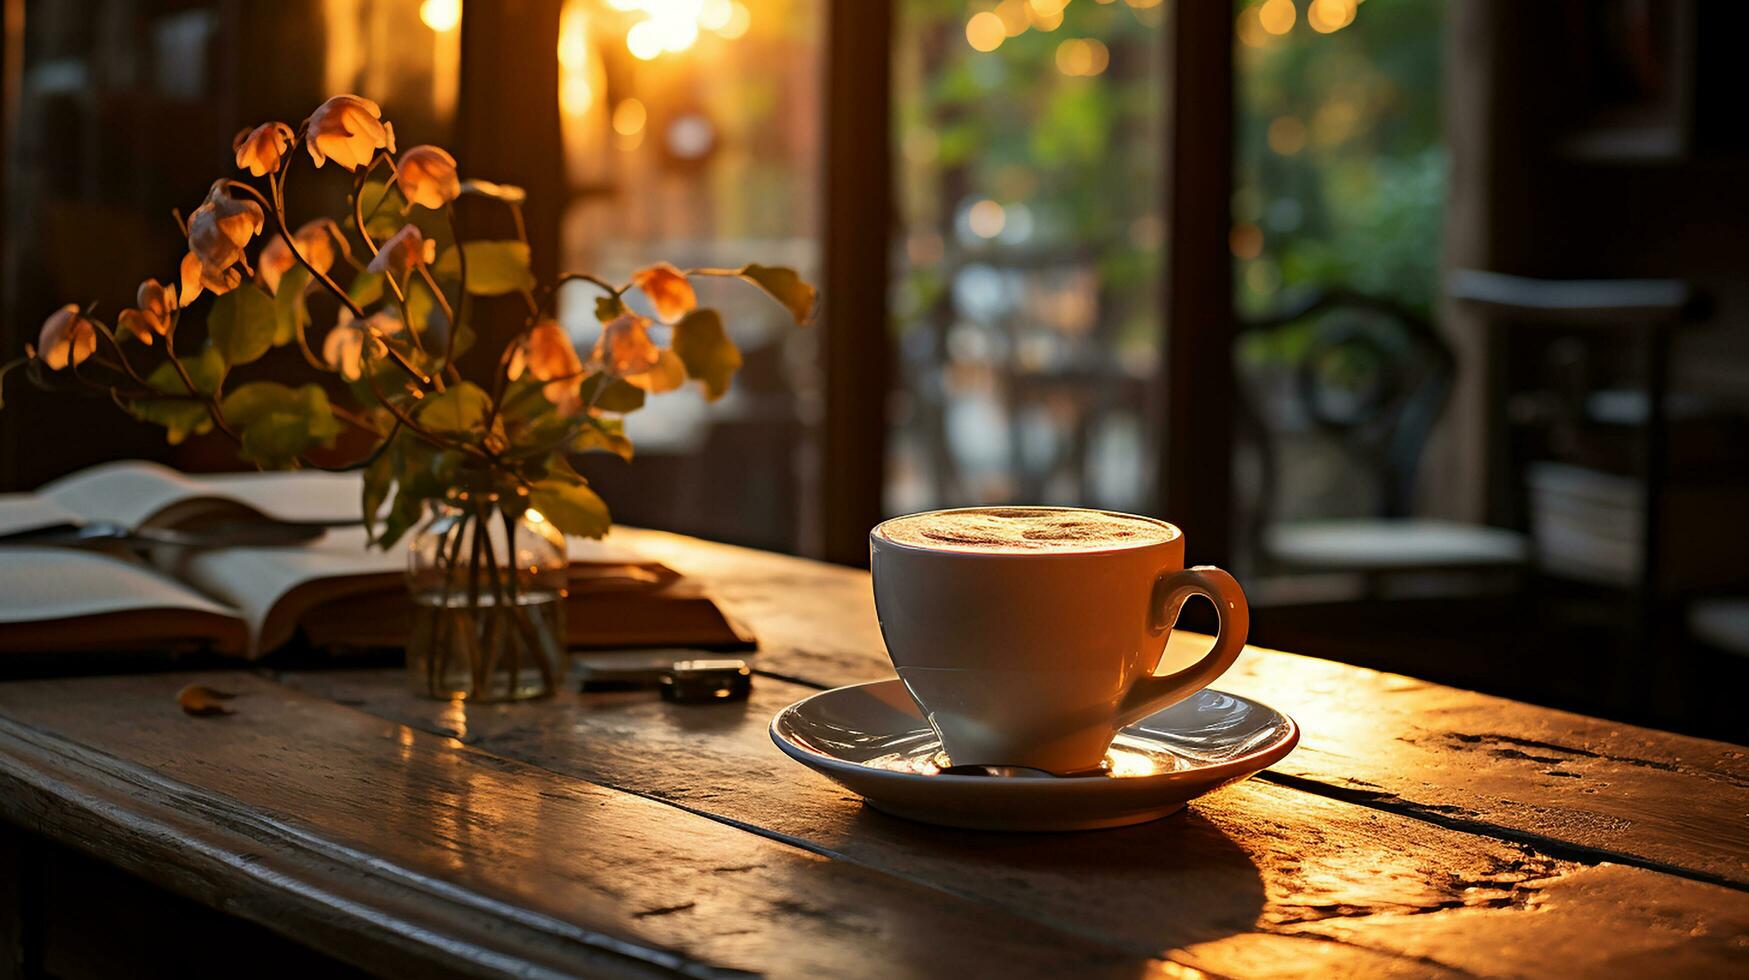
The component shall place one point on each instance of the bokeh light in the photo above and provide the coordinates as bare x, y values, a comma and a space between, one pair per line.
985, 31
629, 117
1330, 16
1277, 16
1287, 135
441, 15
986, 219
1082, 56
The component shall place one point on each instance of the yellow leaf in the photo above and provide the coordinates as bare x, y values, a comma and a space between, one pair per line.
203, 702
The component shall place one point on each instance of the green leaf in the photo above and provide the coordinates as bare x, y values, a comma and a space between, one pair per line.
379, 479
366, 288
242, 324
384, 209
495, 268
572, 507
784, 286
603, 435
403, 514
291, 310
420, 305
459, 409
706, 350
618, 396
278, 423
180, 419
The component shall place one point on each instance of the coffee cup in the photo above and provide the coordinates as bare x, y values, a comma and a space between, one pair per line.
1029, 636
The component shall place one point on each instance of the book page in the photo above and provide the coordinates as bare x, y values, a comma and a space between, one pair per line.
274, 587
298, 495
127, 492
64, 583
27, 511
66, 598
136, 492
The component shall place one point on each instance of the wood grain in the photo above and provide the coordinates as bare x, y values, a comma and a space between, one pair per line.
1577, 785
1257, 878
378, 842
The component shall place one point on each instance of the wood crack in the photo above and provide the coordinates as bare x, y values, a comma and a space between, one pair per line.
1462, 819
1518, 745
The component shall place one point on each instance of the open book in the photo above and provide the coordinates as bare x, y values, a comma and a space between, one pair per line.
333, 591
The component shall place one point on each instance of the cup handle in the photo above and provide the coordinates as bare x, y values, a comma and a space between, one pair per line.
1153, 692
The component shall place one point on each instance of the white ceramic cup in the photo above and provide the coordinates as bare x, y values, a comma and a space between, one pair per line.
1039, 658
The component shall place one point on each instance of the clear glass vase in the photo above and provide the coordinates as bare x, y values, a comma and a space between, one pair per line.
487, 575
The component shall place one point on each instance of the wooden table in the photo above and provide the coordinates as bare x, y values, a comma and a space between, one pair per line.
1417, 830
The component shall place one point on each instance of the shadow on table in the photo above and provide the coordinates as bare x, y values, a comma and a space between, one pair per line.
1148, 889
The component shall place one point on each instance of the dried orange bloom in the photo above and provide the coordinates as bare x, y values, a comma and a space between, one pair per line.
669, 292
220, 227
134, 323
259, 149
343, 348
625, 346
547, 354
404, 250
428, 177
67, 337
197, 276
314, 242
152, 317
349, 130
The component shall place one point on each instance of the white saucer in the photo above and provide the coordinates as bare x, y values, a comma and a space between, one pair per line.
872, 739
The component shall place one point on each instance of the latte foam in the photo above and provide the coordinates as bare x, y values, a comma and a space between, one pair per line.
1024, 530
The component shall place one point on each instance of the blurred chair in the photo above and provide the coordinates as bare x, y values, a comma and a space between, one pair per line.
1354, 383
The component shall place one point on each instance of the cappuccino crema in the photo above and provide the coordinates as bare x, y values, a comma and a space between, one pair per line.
1024, 530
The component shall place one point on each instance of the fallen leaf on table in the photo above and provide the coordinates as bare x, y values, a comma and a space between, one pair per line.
202, 701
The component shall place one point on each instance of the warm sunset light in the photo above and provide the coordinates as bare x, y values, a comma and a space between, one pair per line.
1083, 56
577, 80
441, 15
673, 26
629, 117
1329, 16
1250, 30
985, 31
1202, 488
1277, 16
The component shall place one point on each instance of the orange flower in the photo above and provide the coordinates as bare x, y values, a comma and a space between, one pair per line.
348, 130
343, 348
404, 250
547, 354
313, 240
152, 318
625, 346
67, 337
427, 177
197, 276
259, 149
220, 227
669, 292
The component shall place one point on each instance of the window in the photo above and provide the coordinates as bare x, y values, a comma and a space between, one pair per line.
1028, 146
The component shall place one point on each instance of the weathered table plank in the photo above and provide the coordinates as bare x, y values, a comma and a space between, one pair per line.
1565, 781
296, 808
1259, 878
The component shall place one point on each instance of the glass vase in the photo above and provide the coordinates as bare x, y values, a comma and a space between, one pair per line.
487, 576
